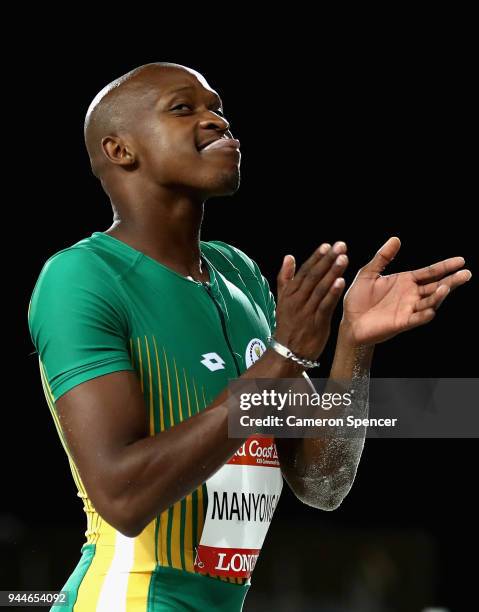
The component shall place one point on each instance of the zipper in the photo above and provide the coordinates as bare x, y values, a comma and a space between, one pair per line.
223, 325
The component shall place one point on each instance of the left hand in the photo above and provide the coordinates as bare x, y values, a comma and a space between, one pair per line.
377, 307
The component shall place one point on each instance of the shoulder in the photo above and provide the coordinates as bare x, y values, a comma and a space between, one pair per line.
72, 257
70, 266
94, 259
72, 279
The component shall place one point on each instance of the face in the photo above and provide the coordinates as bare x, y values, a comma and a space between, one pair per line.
183, 114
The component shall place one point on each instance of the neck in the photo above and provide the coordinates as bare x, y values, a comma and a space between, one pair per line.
166, 229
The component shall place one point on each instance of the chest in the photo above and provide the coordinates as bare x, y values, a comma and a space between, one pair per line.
185, 331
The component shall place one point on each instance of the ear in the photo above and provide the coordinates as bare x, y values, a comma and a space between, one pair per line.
117, 151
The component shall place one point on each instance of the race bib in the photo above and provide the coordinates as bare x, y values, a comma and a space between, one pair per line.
242, 498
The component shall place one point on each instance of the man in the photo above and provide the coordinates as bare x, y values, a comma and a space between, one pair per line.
139, 329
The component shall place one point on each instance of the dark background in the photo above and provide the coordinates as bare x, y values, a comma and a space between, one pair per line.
354, 146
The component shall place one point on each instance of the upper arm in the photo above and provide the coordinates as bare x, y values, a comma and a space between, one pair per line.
79, 327
99, 418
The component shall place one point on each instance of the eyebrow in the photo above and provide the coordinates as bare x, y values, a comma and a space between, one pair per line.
173, 91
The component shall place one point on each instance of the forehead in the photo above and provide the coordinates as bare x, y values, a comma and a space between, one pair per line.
168, 81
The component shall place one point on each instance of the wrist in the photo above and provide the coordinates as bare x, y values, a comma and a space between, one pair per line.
286, 352
350, 356
282, 366
346, 336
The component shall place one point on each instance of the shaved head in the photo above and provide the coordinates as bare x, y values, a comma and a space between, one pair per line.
148, 130
114, 109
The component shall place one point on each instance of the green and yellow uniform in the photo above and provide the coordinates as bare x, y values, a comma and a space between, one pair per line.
100, 306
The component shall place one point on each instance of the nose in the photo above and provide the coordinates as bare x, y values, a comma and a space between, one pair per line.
215, 121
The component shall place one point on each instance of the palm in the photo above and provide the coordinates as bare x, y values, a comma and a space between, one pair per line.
379, 307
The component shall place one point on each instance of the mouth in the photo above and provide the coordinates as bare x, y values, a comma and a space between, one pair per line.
220, 144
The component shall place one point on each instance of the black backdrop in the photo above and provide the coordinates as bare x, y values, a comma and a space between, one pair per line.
357, 149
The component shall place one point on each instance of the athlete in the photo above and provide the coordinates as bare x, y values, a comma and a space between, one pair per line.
139, 329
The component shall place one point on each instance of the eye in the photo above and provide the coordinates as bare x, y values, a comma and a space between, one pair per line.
218, 111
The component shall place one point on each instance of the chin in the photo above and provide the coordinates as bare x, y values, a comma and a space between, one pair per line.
225, 183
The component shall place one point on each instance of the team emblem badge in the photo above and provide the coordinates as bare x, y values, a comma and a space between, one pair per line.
254, 350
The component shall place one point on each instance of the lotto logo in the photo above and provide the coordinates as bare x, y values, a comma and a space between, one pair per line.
213, 361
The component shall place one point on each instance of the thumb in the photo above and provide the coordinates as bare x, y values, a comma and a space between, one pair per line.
384, 256
286, 273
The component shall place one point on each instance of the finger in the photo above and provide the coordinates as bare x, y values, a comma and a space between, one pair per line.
438, 270
330, 300
323, 286
383, 257
286, 273
317, 255
434, 300
310, 280
420, 318
452, 281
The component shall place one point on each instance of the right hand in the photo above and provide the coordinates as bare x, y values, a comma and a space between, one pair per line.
306, 301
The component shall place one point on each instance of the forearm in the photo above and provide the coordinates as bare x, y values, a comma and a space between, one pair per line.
351, 362
334, 462
152, 473
321, 471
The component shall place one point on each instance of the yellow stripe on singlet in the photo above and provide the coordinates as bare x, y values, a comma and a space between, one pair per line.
160, 388
150, 403
170, 402
189, 552
178, 391
140, 363
175, 516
